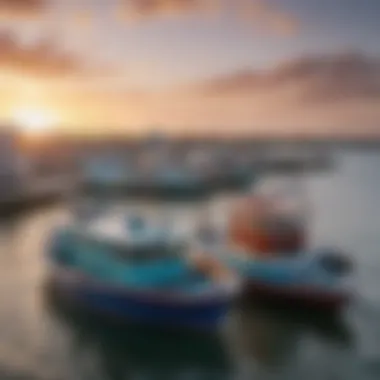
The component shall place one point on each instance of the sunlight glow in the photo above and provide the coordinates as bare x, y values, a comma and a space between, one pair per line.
34, 120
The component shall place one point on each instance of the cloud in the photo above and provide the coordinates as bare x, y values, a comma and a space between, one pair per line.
14, 9
285, 25
310, 79
258, 13
42, 59
265, 16
279, 107
143, 9
271, 114
83, 19
331, 94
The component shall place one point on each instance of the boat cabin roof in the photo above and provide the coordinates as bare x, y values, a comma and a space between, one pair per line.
132, 236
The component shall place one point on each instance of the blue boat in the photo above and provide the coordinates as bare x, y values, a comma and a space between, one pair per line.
102, 176
105, 174
171, 182
224, 177
138, 274
221, 174
316, 278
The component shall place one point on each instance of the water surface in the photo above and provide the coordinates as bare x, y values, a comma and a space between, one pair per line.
40, 339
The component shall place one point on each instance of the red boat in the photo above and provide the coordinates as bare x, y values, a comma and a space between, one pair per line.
281, 266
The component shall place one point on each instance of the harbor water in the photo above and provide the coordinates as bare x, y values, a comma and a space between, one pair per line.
40, 339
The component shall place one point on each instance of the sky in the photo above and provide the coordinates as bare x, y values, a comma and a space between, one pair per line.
97, 66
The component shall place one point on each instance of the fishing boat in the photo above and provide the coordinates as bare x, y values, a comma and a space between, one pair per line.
106, 174
317, 278
163, 181
220, 173
225, 177
267, 245
125, 267
170, 182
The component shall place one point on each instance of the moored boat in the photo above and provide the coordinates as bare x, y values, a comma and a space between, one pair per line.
315, 279
161, 182
266, 244
230, 178
136, 272
173, 183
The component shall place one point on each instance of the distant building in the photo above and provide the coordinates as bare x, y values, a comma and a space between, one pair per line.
13, 166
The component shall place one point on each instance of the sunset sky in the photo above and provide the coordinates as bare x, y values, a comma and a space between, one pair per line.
223, 66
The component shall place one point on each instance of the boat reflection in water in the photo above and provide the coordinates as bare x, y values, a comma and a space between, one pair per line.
117, 350
270, 340
261, 340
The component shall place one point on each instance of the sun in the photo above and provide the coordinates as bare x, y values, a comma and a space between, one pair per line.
34, 120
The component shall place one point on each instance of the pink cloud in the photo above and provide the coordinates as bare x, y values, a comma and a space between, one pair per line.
319, 78
268, 17
256, 12
41, 59
22, 8
142, 9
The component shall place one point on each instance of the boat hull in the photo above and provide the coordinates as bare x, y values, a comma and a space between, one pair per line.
145, 307
300, 281
300, 296
149, 190
230, 181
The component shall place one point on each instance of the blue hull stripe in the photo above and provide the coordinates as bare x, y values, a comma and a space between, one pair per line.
133, 307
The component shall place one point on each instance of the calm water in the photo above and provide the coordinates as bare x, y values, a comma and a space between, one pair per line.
40, 340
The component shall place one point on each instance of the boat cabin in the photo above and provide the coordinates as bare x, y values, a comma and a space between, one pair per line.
131, 238
257, 225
